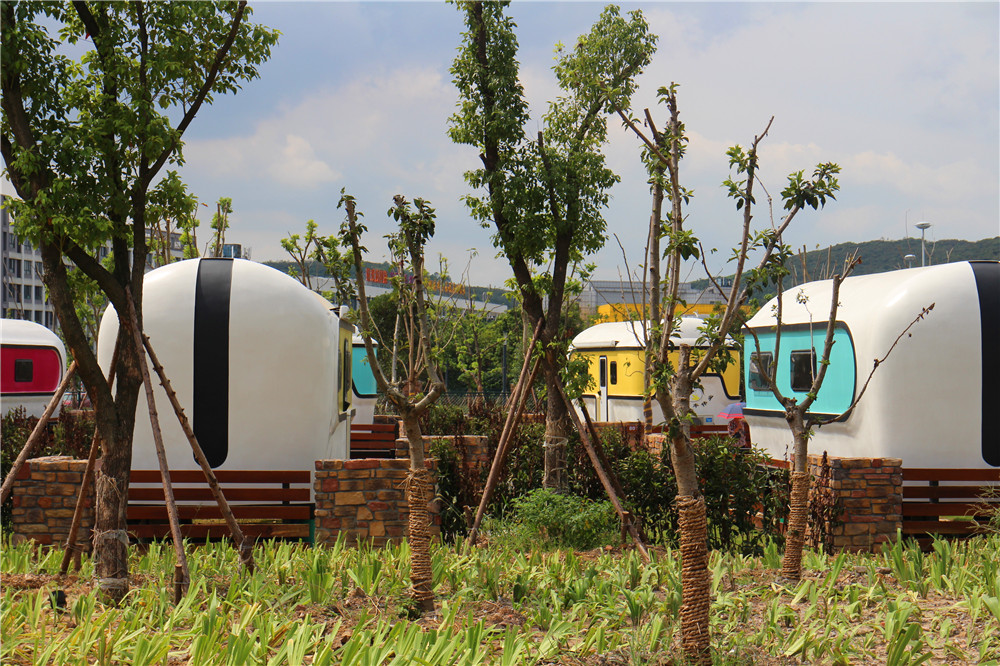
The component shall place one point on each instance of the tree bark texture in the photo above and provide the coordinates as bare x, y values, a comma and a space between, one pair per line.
798, 513
695, 578
110, 519
419, 491
556, 431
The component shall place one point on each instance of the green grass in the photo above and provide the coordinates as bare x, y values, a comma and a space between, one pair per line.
501, 605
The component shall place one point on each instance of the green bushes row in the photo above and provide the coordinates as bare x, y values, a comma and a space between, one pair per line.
746, 501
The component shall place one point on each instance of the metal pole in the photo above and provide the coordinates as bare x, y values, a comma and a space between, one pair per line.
923, 226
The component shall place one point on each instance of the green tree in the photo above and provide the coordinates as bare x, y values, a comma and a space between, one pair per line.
672, 382
544, 195
416, 227
298, 247
220, 222
171, 209
84, 141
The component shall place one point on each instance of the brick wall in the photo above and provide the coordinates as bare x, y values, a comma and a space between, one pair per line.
364, 500
857, 503
44, 497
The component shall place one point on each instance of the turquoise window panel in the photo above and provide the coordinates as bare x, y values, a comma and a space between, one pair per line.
839, 383
364, 379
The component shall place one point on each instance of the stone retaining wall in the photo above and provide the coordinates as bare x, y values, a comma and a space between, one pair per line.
44, 498
364, 499
857, 503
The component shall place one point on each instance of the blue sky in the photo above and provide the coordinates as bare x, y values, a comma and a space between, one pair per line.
904, 97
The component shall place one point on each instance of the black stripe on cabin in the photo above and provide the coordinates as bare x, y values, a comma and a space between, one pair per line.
988, 285
211, 358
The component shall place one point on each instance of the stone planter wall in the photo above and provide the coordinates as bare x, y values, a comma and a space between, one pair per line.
857, 502
44, 498
364, 499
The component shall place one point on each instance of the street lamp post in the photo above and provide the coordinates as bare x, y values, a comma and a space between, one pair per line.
923, 226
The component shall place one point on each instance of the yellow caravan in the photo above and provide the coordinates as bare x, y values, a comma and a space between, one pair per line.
616, 351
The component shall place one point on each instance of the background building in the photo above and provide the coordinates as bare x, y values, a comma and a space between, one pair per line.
614, 300
23, 292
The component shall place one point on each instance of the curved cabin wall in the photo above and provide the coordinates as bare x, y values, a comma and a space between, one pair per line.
620, 347
32, 363
255, 359
926, 403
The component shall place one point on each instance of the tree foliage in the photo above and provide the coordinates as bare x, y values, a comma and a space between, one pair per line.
84, 142
544, 195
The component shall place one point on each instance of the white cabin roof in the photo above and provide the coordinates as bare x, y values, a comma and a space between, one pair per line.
631, 334
23, 332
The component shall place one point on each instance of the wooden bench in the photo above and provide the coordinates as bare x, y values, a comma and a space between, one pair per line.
945, 501
266, 503
374, 440
700, 431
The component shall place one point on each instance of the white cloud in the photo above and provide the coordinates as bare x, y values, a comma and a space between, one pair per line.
299, 166
953, 182
903, 97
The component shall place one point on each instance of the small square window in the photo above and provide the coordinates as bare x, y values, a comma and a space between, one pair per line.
24, 370
803, 370
760, 367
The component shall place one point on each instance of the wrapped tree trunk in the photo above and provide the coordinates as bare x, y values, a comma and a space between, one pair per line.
419, 491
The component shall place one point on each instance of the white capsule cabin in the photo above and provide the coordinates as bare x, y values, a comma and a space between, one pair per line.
260, 365
363, 386
32, 365
927, 404
616, 351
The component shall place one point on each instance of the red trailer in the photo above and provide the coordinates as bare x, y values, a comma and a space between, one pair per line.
32, 363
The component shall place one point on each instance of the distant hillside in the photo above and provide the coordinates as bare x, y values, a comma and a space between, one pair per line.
880, 256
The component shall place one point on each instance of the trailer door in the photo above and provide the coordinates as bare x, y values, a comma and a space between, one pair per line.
602, 398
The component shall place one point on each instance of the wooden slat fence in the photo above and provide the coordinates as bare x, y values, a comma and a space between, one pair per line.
267, 503
374, 440
949, 501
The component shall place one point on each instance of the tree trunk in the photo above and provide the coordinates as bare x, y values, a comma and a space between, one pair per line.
557, 426
419, 491
696, 590
115, 420
110, 536
798, 511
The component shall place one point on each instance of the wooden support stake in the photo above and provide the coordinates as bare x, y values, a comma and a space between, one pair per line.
72, 547
519, 398
161, 456
29, 447
598, 467
243, 544
599, 447
180, 585
503, 449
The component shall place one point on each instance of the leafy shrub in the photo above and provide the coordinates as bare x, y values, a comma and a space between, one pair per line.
444, 419
560, 520
454, 490
741, 492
